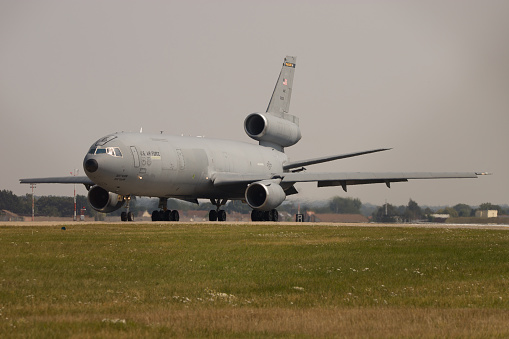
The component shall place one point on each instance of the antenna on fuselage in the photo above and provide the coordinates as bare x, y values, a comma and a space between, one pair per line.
141, 130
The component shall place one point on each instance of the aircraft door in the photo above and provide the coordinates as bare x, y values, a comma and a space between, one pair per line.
182, 163
168, 158
136, 157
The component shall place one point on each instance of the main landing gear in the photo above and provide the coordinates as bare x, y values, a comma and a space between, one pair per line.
271, 215
167, 215
127, 216
218, 214
164, 214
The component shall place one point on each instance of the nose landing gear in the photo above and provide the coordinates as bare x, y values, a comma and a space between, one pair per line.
127, 216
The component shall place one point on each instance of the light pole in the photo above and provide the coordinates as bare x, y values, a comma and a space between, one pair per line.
33, 203
75, 218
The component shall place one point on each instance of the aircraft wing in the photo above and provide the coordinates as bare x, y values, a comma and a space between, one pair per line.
58, 180
337, 179
302, 163
224, 178
360, 178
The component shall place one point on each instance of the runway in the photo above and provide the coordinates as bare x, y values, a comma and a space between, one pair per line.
317, 224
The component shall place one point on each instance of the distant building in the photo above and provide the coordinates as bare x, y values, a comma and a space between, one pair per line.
9, 216
486, 214
439, 217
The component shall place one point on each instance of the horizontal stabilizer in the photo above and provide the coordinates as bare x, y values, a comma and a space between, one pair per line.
296, 164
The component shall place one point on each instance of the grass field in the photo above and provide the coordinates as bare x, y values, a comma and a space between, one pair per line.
272, 280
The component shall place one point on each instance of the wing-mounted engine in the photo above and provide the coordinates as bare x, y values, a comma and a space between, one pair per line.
103, 201
273, 131
265, 195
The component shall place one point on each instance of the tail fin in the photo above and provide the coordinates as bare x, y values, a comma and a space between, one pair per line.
279, 104
276, 128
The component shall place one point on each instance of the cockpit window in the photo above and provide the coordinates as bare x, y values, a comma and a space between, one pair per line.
113, 151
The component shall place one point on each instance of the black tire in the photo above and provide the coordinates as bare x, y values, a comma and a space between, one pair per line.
213, 215
130, 216
275, 215
123, 216
155, 216
175, 215
256, 215
221, 215
267, 216
167, 215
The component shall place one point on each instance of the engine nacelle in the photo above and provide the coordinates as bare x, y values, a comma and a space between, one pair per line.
269, 128
103, 201
264, 195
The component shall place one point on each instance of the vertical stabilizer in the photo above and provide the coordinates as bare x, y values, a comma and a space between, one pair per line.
276, 128
279, 104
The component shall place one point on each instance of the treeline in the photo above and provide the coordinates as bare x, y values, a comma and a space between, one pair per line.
44, 206
55, 206
412, 211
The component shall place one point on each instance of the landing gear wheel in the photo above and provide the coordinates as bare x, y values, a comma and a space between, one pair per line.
213, 215
123, 216
157, 216
271, 215
275, 215
221, 215
130, 216
174, 216
167, 215
267, 215
256, 215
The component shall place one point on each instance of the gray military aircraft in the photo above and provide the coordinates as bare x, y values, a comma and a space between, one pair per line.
123, 165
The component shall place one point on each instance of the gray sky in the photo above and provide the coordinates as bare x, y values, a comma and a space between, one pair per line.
428, 78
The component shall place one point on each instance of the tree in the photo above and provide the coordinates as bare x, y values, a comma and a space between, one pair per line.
463, 210
489, 206
345, 205
386, 213
448, 210
9, 201
413, 211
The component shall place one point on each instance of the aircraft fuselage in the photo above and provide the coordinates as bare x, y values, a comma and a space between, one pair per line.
161, 165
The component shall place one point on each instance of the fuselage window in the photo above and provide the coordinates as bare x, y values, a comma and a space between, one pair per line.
92, 150
100, 151
117, 152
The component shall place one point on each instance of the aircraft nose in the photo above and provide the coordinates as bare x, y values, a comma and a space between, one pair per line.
91, 165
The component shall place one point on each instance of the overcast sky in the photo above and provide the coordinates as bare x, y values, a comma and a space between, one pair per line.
429, 79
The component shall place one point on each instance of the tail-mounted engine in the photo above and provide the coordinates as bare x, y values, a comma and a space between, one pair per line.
265, 195
104, 201
271, 130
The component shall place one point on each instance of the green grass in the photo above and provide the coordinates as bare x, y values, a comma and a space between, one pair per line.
250, 280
